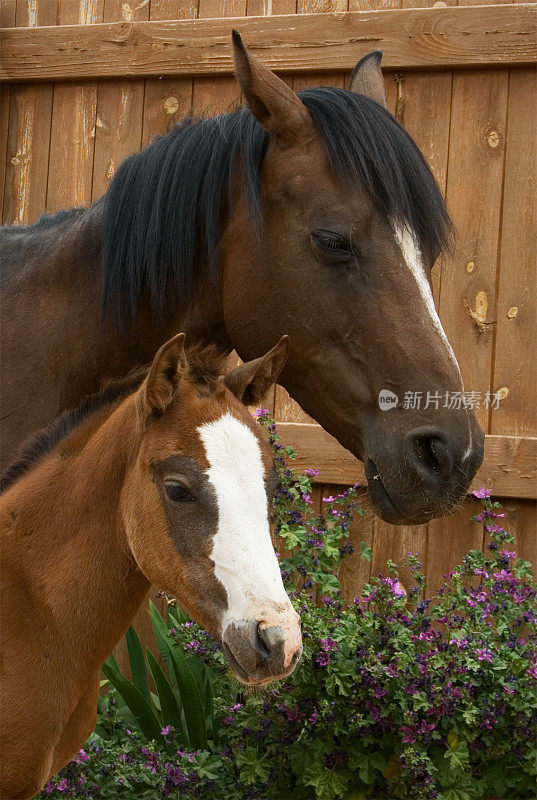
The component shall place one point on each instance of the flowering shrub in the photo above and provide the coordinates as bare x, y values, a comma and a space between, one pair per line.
396, 696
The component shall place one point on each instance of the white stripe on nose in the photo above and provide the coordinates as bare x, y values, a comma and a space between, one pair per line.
411, 253
243, 555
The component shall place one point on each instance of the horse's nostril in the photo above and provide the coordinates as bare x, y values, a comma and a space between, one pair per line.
263, 643
430, 454
270, 642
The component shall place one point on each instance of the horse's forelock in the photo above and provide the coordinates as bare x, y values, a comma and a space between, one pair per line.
167, 202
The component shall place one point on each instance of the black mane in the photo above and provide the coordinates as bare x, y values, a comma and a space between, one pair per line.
167, 200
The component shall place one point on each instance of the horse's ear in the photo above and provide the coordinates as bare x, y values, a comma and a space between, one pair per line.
156, 392
276, 107
251, 381
367, 78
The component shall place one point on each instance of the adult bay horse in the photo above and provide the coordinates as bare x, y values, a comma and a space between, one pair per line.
312, 214
169, 483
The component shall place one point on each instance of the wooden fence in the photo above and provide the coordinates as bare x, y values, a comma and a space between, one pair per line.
87, 82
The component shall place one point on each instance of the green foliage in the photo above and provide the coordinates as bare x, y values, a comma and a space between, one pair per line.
397, 696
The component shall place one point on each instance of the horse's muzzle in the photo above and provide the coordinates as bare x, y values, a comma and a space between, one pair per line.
260, 653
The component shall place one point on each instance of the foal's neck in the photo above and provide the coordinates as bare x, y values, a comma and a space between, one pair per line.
64, 535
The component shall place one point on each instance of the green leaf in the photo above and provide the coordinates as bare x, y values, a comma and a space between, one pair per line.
367, 764
136, 702
161, 635
252, 768
171, 711
328, 784
111, 661
365, 551
137, 662
177, 615
188, 688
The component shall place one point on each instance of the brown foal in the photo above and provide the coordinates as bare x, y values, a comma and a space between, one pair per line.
168, 484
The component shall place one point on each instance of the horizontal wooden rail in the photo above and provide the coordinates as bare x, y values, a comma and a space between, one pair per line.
509, 467
413, 38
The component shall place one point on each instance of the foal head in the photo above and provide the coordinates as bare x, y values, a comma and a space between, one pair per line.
351, 223
196, 505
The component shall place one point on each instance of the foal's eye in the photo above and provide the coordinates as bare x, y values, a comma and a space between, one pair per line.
177, 492
332, 244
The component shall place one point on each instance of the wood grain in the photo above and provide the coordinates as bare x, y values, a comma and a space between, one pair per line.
410, 38
515, 345
509, 468
474, 195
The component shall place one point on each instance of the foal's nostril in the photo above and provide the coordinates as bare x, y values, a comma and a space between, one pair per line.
430, 454
270, 642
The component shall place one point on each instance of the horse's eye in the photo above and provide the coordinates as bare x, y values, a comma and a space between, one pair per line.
177, 492
333, 244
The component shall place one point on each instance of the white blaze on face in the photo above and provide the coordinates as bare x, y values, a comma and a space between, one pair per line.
244, 558
411, 253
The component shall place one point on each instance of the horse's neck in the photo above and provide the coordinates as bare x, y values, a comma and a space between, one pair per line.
63, 541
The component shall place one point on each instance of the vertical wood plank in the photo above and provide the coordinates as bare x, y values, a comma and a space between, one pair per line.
8, 10
474, 194
522, 523
28, 136
448, 540
217, 95
356, 571
515, 345
395, 542
73, 127
5, 102
119, 115
167, 100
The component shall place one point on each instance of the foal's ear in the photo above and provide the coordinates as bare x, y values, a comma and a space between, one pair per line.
276, 107
367, 78
156, 392
251, 381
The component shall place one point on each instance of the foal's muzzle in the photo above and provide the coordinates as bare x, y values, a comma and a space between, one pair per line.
259, 653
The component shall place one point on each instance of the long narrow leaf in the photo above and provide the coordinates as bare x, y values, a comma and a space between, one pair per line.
139, 706
171, 711
137, 662
111, 661
159, 628
177, 615
191, 697
188, 687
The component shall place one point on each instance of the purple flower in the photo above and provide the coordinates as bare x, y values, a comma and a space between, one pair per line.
507, 554
503, 575
395, 587
329, 499
328, 644
532, 672
166, 730
482, 494
323, 659
483, 654
312, 472
260, 412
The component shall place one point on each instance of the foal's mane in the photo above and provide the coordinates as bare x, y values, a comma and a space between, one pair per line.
167, 201
205, 362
